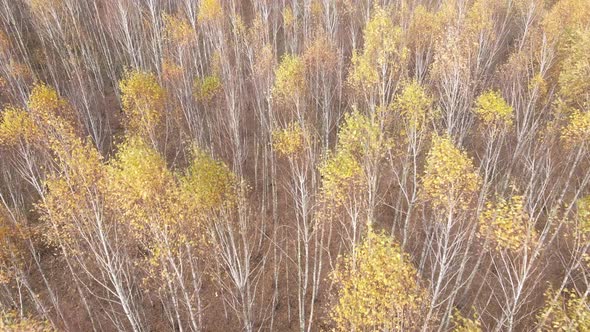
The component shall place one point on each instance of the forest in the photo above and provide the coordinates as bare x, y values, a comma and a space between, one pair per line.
294, 165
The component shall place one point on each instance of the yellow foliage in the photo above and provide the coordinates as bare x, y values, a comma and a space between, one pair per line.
44, 7
507, 224
339, 173
48, 108
238, 26
574, 86
378, 288
382, 38
583, 218
414, 105
19, 70
465, 324
74, 192
16, 125
425, 28
143, 193
5, 44
143, 102
480, 16
165, 210
141, 170
289, 78
359, 139
450, 179
361, 136
289, 141
493, 110
205, 89
382, 49
10, 321
363, 72
264, 61
6, 250
566, 312
210, 11
566, 16
288, 17
178, 30
577, 131
208, 184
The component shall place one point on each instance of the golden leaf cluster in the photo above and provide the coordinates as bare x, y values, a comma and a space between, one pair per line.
289, 141
414, 105
205, 89
383, 48
209, 184
289, 79
210, 11
378, 288
16, 126
143, 102
47, 107
574, 87
507, 224
583, 218
178, 30
565, 312
360, 137
450, 179
466, 324
577, 130
339, 173
11, 321
493, 110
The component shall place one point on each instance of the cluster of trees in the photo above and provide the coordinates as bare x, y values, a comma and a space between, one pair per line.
394, 165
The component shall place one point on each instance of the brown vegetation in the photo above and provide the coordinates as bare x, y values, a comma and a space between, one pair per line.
283, 165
